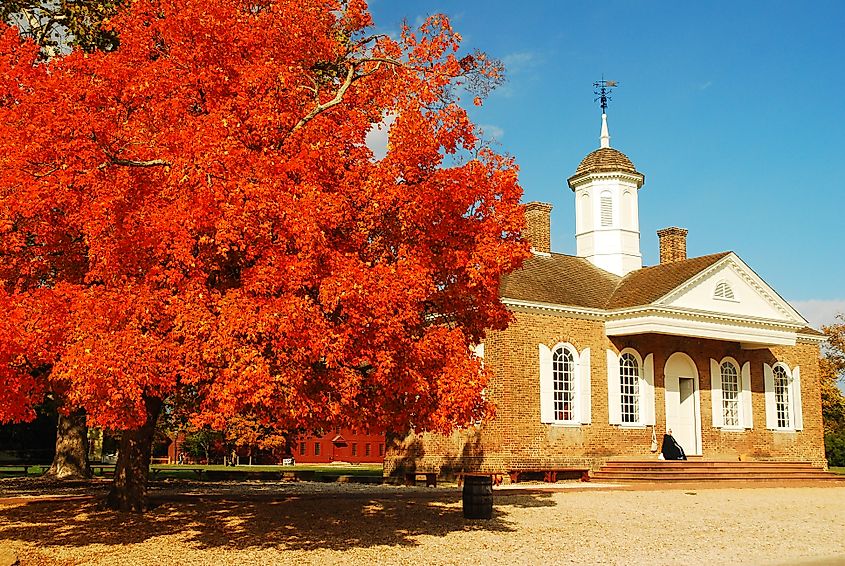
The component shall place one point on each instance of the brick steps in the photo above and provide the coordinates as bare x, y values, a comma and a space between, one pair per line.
710, 471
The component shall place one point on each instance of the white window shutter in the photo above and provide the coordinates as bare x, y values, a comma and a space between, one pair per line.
747, 411
647, 398
716, 393
796, 394
613, 393
771, 411
586, 391
547, 397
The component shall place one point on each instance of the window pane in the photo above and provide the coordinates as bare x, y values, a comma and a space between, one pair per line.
629, 382
563, 377
730, 394
782, 397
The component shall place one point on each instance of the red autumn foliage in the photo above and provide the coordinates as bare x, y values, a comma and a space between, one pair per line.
196, 215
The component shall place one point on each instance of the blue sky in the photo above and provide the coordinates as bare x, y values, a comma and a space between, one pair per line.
732, 110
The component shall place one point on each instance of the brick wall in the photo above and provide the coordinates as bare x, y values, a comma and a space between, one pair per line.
516, 438
673, 244
538, 226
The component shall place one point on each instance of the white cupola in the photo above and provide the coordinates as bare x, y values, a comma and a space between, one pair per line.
607, 226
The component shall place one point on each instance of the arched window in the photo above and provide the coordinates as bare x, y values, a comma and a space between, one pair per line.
730, 389
563, 376
565, 385
784, 409
606, 202
628, 209
782, 405
629, 388
730, 395
586, 219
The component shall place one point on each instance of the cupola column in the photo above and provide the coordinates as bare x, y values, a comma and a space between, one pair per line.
607, 226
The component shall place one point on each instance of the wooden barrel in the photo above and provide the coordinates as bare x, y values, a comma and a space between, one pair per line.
478, 497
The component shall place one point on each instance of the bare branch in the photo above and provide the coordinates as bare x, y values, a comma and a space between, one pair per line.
387, 60
133, 163
115, 160
351, 77
45, 174
338, 97
365, 40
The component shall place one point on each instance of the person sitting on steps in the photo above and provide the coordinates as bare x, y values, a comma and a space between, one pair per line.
671, 450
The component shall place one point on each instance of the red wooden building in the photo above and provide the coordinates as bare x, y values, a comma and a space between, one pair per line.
339, 446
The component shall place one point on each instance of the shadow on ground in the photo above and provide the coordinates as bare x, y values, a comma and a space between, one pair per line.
296, 522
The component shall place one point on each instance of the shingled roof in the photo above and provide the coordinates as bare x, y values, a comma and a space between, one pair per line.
604, 160
644, 286
573, 281
560, 280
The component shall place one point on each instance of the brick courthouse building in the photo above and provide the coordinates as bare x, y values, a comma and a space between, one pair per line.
604, 352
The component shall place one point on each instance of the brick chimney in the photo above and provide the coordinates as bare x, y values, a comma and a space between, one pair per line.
538, 226
673, 244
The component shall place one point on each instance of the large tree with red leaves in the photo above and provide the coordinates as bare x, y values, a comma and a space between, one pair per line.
196, 217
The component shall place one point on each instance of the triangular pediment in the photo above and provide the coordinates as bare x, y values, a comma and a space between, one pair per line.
731, 288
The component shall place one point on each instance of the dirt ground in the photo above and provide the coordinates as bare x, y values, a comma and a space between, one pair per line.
309, 523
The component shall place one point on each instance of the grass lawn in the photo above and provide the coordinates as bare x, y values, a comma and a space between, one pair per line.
342, 469
838, 470
187, 471
9, 471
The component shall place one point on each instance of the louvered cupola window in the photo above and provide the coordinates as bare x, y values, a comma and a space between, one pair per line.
606, 210
724, 291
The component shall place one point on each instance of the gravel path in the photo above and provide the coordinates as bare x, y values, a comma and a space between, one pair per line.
310, 523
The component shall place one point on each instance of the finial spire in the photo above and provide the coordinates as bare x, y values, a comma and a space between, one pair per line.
605, 135
602, 92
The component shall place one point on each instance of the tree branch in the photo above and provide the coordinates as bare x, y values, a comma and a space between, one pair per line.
351, 77
115, 160
133, 163
338, 97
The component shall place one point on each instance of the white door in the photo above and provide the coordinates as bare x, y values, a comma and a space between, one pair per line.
685, 426
682, 411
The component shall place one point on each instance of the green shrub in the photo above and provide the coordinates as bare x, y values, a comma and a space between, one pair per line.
834, 448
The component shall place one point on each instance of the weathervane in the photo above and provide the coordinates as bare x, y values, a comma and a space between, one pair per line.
602, 92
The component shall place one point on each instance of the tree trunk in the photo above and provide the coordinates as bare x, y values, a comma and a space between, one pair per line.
71, 460
129, 487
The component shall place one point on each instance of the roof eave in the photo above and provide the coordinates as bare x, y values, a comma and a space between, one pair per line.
583, 177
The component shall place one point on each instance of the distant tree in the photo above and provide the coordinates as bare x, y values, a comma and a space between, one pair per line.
211, 225
833, 401
249, 434
201, 443
832, 373
60, 25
